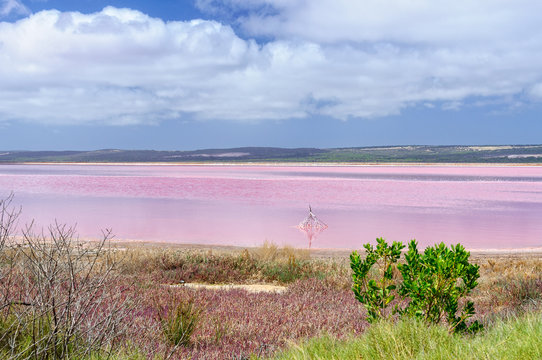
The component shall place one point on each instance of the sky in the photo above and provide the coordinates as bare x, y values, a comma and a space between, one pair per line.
195, 74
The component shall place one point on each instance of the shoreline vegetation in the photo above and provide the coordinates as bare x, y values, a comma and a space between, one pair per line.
64, 297
411, 154
314, 317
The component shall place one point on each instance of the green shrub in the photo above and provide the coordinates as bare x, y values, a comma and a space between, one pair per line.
375, 295
433, 283
179, 323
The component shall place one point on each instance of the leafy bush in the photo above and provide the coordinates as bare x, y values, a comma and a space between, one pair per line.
375, 295
433, 283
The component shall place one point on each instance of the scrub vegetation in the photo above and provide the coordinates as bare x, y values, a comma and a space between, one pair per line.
381, 154
62, 298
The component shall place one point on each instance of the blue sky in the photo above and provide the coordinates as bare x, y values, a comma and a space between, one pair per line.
183, 74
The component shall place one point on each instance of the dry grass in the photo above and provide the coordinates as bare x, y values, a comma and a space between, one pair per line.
266, 264
271, 252
508, 284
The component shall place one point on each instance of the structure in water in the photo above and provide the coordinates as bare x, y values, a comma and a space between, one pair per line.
311, 226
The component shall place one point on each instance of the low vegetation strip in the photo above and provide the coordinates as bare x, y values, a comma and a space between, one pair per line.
515, 338
384, 154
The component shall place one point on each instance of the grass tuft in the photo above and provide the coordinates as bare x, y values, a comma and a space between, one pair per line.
179, 323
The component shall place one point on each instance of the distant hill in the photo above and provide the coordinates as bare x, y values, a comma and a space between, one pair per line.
381, 154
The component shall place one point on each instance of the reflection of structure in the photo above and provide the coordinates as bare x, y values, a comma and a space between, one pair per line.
312, 226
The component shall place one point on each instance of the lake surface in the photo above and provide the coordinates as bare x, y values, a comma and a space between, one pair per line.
479, 206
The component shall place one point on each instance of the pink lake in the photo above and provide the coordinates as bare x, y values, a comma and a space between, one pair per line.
478, 206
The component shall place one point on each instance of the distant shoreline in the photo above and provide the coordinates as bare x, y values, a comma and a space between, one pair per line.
405, 154
284, 164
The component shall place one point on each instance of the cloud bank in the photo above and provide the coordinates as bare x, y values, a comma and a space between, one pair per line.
338, 58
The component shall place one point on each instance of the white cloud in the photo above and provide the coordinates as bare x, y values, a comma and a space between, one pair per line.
120, 66
8, 7
429, 22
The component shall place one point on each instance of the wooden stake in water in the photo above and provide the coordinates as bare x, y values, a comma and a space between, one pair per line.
312, 226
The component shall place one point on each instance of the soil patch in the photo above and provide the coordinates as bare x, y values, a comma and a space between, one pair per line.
252, 288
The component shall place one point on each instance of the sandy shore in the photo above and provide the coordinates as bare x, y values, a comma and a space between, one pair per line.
317, 252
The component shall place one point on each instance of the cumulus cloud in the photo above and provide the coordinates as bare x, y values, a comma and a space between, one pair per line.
120, 66
423, 22
115, 66
8, 7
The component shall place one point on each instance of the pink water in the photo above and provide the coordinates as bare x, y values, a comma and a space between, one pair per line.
479, 206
